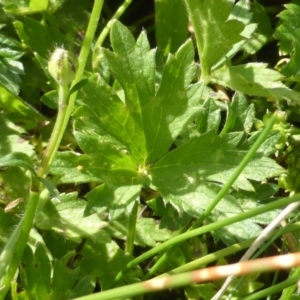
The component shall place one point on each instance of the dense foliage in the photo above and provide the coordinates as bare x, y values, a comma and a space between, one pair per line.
176, 139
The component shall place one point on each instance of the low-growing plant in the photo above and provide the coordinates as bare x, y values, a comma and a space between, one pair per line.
164, 156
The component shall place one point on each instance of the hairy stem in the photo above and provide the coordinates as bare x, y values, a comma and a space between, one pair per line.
13, 251
57, 132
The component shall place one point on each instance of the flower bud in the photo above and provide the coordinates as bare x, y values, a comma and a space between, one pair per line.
61, 66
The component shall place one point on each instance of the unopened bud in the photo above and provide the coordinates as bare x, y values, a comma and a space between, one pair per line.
61, 66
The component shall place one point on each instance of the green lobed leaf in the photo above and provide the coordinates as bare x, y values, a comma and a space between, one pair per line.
217, 33
240, 116
39, 37
113, 259
209, 158
240, 12
17, 159
14, 189
209, 118
237, 232
11, 140
254, 79
195, 197
8, 222
115, 200
64, 278
264, 29
144, 119
26, 7
10, 75
50, 99
10, 66
20, 159
170, 218
84, 286
110, 162
36, 272
148, 231
288, 34
57, 244
67, 217
19, 110
204, 291
262, 194
267, 147
69, 165
171, 25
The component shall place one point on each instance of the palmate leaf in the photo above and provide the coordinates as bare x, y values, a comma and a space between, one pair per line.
145, 118
211, 158
191, 175
126, 132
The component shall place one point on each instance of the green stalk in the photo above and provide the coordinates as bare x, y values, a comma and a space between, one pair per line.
13, 251
57, 133
161, 261
131, 228
203, 261
204, 229
262, 248
184, 279
83, 56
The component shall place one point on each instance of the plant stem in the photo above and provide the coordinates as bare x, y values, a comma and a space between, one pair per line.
13, 251
65, 109
57, 132
264, 235
203, 261
175, 281
204, 229
84, 53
